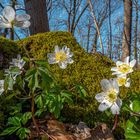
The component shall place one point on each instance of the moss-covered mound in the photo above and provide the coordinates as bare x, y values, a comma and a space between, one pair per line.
87, 70
8, 50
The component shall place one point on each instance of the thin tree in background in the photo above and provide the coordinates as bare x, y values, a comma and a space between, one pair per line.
110, 30
96, 24
136, 30
126, 43
39, 18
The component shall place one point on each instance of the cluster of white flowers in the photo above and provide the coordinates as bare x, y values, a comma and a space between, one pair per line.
9, 19
16, 62
109, 97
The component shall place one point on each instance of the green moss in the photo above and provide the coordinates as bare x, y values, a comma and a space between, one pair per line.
8, 50
87, 70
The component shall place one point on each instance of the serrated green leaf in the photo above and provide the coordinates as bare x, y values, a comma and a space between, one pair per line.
23, 133
15, 121
39, 101
9, 131
26, 116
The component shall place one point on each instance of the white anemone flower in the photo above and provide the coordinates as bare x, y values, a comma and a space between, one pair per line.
18, 62
122, 80
8, 19
61, 56
1, 86
109, 97
123, 68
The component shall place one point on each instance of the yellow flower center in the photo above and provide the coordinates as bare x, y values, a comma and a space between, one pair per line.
124, 68
121, 81
111, 97
60, 56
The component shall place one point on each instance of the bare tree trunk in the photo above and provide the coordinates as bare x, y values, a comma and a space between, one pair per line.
39, 18
94, 47
110, 31
88, 35
126, 44
135, 32
96, 24
74, 17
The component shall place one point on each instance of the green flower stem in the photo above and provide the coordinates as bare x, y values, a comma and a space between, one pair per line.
115, 123
24, 47
33, 114
12, 33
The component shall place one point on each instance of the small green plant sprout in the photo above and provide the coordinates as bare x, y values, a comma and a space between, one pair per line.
109, 97
9, 19
61, 56
16, 125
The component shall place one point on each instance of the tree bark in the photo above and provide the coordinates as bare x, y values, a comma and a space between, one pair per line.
39, 18
135, 32
126, 44
96, 24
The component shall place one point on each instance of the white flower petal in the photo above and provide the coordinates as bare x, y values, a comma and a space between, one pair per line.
128, 81
26, 24
9, 13
65, 48
132, 63
114, 69
22, 24
1, 86
115, 84
106, 85
70, 60
56, 49
23, 17
52, 61
103, 106
116, 73
4, 25
115, 109
126, 60
100, 96
62, 65
118, 63
119, 102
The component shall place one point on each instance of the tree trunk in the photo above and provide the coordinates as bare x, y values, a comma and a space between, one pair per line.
39, 18
135, 32
94, 47
126, 44
110, 31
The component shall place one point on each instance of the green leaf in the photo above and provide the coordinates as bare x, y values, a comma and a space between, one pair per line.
23, 133
9, 131
66, 97
26, 116
32, 77
132, 136
46, 79
81, 91
38, 112
136, 106
15, 121
39, 101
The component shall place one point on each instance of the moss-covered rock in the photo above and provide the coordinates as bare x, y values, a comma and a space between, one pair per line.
87, 70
